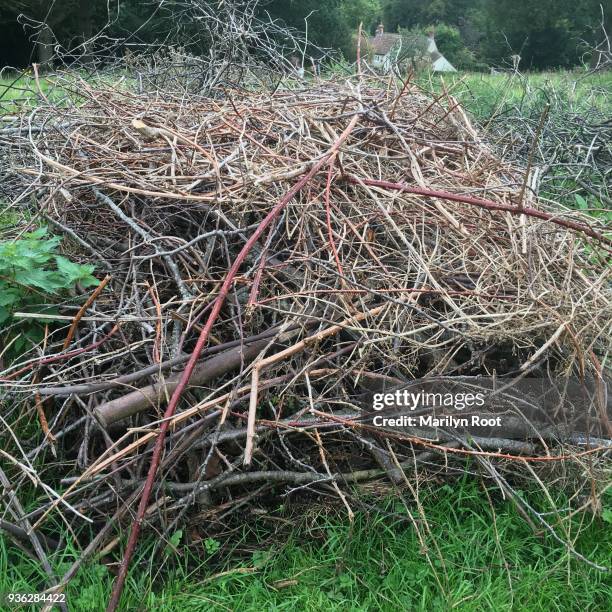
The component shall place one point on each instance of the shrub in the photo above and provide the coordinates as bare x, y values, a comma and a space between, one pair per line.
34, 275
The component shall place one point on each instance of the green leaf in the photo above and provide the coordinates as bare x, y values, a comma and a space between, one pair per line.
581, 202
74, 272
69, 269
89, 281
19, 344
40, 278
5, 315
175, 538
34, 335
211, 545
32, 272
173, 542
41, 232
8, 297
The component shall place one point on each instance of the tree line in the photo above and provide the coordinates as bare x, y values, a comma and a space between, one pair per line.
473, 34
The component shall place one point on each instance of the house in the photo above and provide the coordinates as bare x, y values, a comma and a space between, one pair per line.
390, 49
385, 48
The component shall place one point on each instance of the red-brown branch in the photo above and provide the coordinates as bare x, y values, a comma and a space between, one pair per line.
488, 204
176, 396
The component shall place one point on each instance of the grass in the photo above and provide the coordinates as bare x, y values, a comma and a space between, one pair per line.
472, 555
19, 91
485, 95
482, 94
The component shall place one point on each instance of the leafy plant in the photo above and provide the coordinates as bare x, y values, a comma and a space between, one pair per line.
211, 545
34, 275
173, 542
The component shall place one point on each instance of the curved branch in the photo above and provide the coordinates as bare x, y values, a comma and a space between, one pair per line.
487, 204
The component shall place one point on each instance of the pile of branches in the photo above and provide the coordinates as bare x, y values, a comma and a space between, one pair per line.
268, 260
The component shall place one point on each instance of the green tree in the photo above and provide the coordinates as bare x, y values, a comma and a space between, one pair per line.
327, 22
411, 13
451, 44
368, 12
546, 33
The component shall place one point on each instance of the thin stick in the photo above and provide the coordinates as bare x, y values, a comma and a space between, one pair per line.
521, 198
332, 244
90, 300
359, 35
250, 435
43, 419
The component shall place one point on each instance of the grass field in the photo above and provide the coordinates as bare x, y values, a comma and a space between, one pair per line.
17, 90
482, 94
574, 108
485, 95
459, 550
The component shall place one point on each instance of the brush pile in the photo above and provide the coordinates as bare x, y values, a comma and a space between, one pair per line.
324, 243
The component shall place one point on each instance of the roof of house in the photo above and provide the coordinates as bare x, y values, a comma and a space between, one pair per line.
382, 43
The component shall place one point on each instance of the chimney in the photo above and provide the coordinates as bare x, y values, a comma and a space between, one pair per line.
380, 29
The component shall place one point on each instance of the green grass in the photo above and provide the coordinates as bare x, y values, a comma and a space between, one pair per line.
19, 91
485, 95
465, 557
